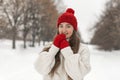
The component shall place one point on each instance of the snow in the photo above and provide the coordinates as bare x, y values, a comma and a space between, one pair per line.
105, 65
18, 64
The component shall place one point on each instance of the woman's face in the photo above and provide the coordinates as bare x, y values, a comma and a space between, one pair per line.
66, 28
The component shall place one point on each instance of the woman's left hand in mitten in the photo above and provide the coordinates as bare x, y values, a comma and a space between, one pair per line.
64, 44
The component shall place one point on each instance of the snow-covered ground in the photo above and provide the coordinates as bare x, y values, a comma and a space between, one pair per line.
18, 64
105, 65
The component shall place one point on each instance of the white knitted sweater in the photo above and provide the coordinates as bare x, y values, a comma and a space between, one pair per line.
74, 65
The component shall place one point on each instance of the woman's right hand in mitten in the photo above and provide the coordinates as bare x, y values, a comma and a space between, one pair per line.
58, 39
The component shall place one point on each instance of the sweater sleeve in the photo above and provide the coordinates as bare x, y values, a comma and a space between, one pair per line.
46, 60
76, 65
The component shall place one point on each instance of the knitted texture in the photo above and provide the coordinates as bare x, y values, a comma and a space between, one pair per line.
64, 44
58, 39
68, 17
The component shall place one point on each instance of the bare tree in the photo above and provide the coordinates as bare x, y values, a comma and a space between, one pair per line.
34, 17
107, 30
30, 17
48, 21
3, 27
13, 10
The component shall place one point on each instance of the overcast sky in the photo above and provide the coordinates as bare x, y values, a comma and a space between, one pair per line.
87, 12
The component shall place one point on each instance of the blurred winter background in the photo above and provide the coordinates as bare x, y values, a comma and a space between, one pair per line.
27, 25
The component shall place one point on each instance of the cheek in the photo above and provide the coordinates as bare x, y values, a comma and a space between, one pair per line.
70, 33
60, 31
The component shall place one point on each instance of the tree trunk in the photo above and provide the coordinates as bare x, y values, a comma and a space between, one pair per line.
14, 38
33, 40
24, 41
39, 40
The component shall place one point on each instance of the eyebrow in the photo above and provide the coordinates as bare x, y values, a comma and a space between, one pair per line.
67, 24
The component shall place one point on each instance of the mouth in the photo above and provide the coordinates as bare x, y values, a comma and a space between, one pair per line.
66, 33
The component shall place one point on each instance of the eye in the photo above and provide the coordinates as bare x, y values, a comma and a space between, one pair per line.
60, 26
68, 26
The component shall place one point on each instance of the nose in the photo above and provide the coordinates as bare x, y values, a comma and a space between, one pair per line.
64, 30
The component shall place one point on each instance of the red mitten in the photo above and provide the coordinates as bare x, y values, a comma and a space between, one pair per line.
64, 44
58, 39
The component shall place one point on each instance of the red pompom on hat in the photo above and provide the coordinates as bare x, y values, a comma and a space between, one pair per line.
68, 17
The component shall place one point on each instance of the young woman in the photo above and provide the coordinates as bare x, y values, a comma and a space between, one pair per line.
66, 58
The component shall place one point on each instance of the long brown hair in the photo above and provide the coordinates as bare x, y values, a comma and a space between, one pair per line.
74, 44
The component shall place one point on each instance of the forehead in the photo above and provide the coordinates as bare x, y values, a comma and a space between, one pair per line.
65, 23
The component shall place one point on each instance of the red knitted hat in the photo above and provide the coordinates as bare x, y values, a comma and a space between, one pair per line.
68, 17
